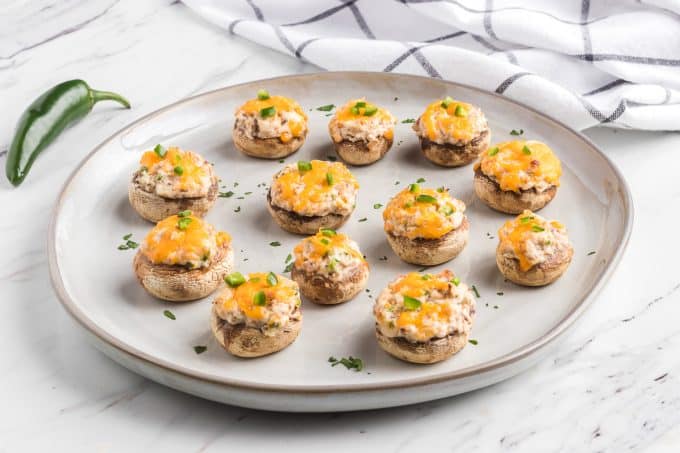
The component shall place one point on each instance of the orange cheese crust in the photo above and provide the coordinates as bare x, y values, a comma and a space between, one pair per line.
425, 306
243, 296
322, 244
326, 188
181, 241
423, 213
359, 119
458, 122
521, 165
187, 169
281, 104
529, 236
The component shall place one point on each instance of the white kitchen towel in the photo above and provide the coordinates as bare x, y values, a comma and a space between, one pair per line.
585, 62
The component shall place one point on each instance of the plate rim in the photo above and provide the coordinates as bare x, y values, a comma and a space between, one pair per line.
501, 362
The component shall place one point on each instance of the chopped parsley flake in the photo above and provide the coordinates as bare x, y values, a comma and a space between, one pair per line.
591, 253
288, 258
474, 290
238, 209
275, 244
377, 206
517, 132
170, 315
420, 180
226, 194
128, 244
326, 108
200, 349
474, 342
408, 121
351, 363
363, 219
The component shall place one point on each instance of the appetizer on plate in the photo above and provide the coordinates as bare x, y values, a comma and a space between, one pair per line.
308, 196
424, 318
256, 316
183, 258
362, 132
329, 267
426, 226
533, 251
172, 180
269, 127
517, 175
452, 133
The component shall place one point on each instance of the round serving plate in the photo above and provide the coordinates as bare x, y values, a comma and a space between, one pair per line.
514, 326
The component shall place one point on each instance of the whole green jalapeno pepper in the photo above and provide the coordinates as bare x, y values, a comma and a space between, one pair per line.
46, 118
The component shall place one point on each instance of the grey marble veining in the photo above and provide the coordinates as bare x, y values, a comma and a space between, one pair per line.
612, 385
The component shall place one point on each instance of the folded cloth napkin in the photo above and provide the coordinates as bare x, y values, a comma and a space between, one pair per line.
585, 62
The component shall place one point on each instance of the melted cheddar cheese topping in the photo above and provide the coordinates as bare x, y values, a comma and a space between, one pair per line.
450, 121
423, 213
258, 303
421, 307
324, 188
531, 239
183, 241
521, 165
286, 121
175, 174
360, 120
330, 254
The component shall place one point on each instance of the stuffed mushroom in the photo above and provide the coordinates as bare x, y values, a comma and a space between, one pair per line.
426, 226
172, 180
452, 133
257, 315
183, 258
269, 127
533, 251
308, 196
517, 175
329, 267
362, 132
424, 318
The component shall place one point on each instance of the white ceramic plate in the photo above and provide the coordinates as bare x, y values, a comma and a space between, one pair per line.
97, 287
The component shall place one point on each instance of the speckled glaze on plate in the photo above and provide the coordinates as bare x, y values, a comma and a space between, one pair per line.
96, 285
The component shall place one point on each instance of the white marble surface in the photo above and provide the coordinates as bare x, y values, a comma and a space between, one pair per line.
613, 384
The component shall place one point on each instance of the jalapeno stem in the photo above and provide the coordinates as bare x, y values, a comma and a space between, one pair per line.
108, 96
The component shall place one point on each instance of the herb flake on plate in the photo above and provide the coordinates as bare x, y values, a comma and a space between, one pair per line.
351, 363
170, 315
